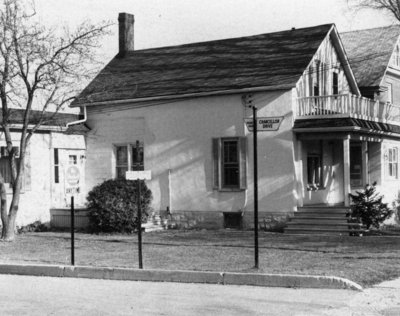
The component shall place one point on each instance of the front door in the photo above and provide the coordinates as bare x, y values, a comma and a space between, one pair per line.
322, 172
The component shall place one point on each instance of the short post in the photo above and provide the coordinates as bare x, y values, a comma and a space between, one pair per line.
72, 232
256, 265
139, 208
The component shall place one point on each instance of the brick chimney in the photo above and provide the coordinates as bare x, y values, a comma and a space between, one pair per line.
126, 22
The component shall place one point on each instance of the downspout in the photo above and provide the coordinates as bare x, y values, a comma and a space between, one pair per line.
81, 120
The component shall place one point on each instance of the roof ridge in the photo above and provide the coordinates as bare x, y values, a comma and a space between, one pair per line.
372, 28
232, 38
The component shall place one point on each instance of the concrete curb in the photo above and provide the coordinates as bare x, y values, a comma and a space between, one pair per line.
224, 278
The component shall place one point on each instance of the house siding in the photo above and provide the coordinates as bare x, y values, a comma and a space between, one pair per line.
178, 150
330, 63
38, 187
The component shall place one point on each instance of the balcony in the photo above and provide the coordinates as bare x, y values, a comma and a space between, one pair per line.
347, 105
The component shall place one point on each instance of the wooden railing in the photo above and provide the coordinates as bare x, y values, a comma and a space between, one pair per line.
347, 105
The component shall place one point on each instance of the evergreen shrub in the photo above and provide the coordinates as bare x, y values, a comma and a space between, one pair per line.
112, 206
368, 207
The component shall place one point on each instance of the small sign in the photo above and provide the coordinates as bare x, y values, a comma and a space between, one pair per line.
72, 191
72, 177
138, 175
265, 124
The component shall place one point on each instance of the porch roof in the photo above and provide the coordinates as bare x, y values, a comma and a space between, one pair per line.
346, 123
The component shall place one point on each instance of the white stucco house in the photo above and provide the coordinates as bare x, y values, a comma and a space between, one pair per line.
53, 147
181, 112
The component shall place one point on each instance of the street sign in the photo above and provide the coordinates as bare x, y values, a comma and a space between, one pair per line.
138, 175
265, 124
72, 177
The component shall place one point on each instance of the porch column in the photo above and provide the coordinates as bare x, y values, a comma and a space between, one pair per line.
299, 180
346, 170
364, 151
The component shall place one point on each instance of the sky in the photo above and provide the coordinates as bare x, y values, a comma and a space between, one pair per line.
172, 22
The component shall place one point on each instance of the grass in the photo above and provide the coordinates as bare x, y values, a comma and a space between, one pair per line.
365, 260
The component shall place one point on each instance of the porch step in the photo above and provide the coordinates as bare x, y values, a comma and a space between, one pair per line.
155, 223
316, 231
322, 220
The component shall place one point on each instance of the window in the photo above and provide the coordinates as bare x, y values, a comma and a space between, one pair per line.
314, 170
315, 78
229, 163
392, 162
233, 220
72, 159
396, 57
5, 168
356, 179
389, 93
56, 166
335, 83
129, 157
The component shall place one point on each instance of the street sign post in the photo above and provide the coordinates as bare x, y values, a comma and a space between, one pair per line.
72, 177
139, 176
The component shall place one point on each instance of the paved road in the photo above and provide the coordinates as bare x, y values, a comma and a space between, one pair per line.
27, 295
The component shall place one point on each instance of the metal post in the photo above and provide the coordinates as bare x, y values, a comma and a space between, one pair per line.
140, 225
255, 188
72, 232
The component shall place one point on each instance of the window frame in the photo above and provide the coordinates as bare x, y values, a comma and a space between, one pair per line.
335, 82
218, 154
392, 164
395, 62
131, 165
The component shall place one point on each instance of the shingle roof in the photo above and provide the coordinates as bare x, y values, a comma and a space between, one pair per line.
273, 60
369, 53
59, 119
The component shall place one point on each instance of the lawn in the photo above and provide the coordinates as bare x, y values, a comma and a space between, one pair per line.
366, 260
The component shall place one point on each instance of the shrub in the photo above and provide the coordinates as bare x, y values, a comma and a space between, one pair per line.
396, 207
112, 206
368, 207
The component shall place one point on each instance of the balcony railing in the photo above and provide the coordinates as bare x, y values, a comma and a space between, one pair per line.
347, 105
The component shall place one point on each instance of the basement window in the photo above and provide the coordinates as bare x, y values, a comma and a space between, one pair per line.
233, 220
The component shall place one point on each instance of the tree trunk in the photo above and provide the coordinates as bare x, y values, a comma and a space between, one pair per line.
10, 229
3, 210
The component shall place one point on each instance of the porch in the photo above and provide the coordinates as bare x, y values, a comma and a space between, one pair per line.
330, 166
346, 105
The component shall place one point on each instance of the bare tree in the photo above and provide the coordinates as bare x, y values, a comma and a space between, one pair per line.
386, 6
40, 68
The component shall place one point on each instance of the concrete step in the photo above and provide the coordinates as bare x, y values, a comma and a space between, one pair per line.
314, 230
323, 224
155, 223
319, 215
322, 220
333, 210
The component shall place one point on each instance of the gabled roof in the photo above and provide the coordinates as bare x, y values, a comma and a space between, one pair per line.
369, 53
270, 61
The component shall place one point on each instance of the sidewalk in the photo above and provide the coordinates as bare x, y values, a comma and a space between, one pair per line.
223, 278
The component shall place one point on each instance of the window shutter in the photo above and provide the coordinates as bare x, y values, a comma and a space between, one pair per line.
243, 162
216, 152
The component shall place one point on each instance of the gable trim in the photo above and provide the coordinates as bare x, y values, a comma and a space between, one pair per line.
337, 42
